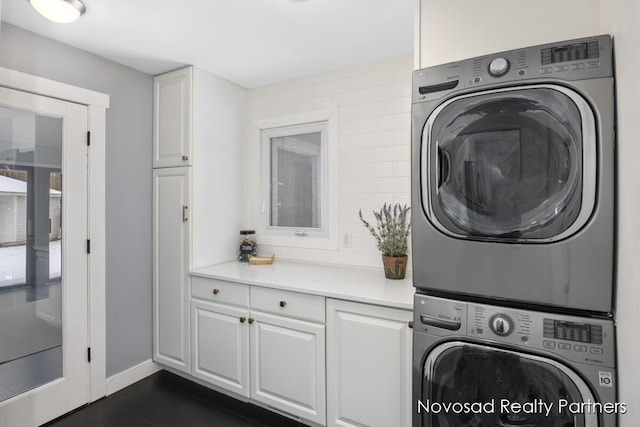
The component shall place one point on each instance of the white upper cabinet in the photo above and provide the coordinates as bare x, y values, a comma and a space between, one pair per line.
172, 118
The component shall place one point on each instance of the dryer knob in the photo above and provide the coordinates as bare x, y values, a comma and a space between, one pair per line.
501, 324
499, 67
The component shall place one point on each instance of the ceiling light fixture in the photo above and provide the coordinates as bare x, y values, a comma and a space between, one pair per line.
62, 11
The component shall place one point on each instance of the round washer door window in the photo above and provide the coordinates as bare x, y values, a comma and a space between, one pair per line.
511, 164
465, 373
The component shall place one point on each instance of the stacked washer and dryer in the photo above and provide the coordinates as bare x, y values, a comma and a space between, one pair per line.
513, 239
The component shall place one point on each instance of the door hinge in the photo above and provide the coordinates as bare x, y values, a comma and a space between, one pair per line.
88, 246
88, 138
89, 354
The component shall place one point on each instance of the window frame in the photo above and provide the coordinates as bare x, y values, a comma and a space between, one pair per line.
267, 134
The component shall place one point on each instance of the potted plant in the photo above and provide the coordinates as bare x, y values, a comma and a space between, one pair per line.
392, 235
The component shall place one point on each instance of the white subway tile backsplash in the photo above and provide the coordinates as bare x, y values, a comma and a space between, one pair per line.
401, 169
373, 79
390, 91
349, 127
375, 154
367, 140
353, 97
366, 170
402, 136
365, 201
374, 185
391, 122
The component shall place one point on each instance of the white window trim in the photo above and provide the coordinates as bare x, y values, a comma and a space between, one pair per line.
267, 176
281, 236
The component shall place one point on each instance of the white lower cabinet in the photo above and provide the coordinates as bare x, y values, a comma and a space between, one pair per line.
270, 348
221, 345
288, 365
369, 364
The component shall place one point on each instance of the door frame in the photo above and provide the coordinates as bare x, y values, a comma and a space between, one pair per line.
97, 104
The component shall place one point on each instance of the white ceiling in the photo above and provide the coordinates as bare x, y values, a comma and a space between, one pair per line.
250, 42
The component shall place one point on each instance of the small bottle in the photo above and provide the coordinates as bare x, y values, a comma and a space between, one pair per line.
248, 245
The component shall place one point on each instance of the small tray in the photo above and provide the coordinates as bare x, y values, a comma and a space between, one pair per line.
261, 260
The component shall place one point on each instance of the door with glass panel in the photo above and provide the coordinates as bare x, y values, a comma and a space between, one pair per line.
44, 371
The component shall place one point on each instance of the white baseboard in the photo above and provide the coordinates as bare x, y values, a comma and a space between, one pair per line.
132, 375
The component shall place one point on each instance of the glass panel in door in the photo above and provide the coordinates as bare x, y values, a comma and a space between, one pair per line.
509, 164
31, 344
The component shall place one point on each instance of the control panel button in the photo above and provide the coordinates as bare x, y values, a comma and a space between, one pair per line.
499, 67
562, 68
596, 350
546, 70
548, 344
580, 348
522, 73
564, 346
593, 64
577, 66
477, 79
501, 324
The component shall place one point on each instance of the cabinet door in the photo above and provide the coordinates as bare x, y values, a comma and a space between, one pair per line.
172, 118
221, 345
368, 365
288, 365
170, 267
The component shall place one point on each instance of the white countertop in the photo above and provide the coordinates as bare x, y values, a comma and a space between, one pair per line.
353, 284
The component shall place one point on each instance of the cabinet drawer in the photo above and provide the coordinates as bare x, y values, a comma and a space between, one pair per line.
220, 291
287, 303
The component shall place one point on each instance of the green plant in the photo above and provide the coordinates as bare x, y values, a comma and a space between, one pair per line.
391, 230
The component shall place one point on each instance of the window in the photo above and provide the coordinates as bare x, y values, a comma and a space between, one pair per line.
295, 179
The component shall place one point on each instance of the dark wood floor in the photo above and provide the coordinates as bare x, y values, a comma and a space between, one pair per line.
165, 399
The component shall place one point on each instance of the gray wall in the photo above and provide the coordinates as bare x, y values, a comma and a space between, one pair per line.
128, 180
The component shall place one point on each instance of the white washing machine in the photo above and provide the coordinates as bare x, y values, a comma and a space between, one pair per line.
513, 176
478, 365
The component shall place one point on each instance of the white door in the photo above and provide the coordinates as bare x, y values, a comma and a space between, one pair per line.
170, 264
44, 369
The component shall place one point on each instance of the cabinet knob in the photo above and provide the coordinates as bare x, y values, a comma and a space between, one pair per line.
216, 291
185, 157
411, 324
251, 320
283, 303
243, 319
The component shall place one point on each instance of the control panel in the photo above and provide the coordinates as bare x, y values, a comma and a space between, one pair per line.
579, 59
583, 340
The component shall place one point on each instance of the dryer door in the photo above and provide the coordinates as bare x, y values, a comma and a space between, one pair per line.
515, 164
457, 375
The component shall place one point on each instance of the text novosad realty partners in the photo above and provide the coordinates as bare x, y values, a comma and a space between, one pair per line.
505, 406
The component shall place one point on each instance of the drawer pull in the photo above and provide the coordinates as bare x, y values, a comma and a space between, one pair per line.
243, 319
283, 303
216, 291
411, 324
251, 319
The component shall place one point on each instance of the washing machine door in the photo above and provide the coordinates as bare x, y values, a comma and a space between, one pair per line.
457, 375
512, 165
